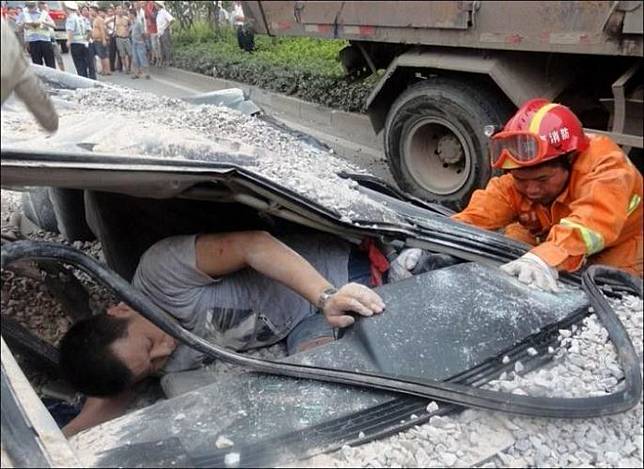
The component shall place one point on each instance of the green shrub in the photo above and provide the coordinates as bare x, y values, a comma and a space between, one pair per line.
303, 67
198, 32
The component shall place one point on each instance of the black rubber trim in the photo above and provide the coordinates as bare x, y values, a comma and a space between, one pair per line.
454, 393
445, 235
37, 351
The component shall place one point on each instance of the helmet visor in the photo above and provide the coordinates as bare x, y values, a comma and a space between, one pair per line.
523, 148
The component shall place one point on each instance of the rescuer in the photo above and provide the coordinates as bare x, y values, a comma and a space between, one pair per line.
575, 197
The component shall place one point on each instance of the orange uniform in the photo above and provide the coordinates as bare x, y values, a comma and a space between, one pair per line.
597, 217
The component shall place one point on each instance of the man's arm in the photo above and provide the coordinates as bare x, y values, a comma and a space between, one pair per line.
46, 20
490, 208
221, 254
601, 207
97, 410
103, 31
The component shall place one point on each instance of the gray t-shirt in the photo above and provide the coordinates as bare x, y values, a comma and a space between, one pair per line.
239, 311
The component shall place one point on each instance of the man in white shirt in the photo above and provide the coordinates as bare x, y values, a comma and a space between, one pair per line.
37, 35
46, 20
164, 18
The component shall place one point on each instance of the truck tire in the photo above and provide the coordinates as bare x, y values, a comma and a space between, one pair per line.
69, 208
37, 207
434, 140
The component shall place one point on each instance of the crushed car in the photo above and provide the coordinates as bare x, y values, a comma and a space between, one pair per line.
179, 167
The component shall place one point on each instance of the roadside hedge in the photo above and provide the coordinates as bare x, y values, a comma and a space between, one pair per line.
302, 67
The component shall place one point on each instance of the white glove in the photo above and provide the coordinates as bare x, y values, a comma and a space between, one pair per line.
16, 75
402, 265
533, 271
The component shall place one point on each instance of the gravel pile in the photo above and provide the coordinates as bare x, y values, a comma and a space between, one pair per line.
124, 121
586, 364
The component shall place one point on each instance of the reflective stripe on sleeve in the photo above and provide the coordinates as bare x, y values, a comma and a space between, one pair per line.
632, 205
593, 240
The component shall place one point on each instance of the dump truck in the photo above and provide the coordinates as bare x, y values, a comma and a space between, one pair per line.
452, 67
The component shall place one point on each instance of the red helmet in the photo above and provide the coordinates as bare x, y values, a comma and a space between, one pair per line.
538, 132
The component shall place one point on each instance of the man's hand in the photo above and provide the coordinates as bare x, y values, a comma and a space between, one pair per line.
97, 410
533, 271
352, 298
401, 267
17, 75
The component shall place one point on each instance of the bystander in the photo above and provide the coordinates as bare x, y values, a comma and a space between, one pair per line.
49, 22
140, 66
37, 35
164, 20
77, 38
122, 33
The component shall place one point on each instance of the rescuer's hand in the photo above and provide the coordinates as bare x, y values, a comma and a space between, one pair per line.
402, 266
351, 298
532, 270
16, 75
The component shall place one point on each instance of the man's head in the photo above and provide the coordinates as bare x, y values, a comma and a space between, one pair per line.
539, 131
537, 146
30, 6
43, 6
11, 12
108, 353
119, 10
110, 11
70, 7
93, 11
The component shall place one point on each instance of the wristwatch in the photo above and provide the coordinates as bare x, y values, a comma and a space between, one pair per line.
325, 296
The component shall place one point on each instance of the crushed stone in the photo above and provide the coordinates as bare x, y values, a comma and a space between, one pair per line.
586, 365
149, 125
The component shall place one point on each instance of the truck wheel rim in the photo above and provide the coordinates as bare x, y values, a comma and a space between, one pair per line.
436, 173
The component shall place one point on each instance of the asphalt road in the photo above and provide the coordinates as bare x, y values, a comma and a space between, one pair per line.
364, 152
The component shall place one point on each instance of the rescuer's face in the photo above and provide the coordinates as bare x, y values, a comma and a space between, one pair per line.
541, 184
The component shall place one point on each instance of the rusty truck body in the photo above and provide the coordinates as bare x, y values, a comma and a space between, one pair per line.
450, 67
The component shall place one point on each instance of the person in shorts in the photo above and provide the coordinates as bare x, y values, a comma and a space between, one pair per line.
122, 36
140, 66
100, 37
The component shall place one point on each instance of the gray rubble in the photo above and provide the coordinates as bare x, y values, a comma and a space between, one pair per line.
122, 121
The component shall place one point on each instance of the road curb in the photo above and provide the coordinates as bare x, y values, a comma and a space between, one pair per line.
353, 127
